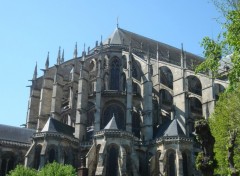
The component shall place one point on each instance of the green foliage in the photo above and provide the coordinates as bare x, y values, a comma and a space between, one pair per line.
226, 118
212, 53
20, 170
52, 169
56, 169
232, 38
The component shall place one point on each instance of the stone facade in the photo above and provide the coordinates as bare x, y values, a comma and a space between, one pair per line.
125, 107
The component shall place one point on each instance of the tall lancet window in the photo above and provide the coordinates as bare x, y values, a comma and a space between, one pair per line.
112, 162
115, 74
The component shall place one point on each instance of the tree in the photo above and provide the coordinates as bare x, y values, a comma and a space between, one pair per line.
51, 169
224, 124
57, 169
225, 121
205, 161
20, 170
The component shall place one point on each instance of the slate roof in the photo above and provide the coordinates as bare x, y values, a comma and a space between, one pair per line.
170, 128
167, 53
111, 124
54, 125
16, 134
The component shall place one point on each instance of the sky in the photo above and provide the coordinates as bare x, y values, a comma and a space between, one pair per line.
29, 29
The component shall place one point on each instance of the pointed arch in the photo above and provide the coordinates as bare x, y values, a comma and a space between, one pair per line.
218, 89
37, 156
112, 160
136, 121
194, 85
115, 74
171, 163
117, 109
166, 77
185, 163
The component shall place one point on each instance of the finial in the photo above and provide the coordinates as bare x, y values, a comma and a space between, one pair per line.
157, 52
47, 62
183, 64
75, 52
83, 53
62, 60
59, 56
35, 72
148, 53
101, 41
130, 44
117, 23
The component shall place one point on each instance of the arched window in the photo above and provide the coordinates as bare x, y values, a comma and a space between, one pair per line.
185, 164
136, 124
51, 155
37, 156
112, 161
116, 110
123, 82
115, 74
218, 89
3, 167
166, 77
171, 164
194, 85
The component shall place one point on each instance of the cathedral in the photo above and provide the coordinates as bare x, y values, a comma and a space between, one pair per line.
123, 108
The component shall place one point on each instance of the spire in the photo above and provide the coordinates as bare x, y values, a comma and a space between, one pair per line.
157, 52
130, 45
75, 52
62, 60
83, 53
112, 125
101, 41
59, 56
47, 62
35, 72
183, 59
148, 55
117, 23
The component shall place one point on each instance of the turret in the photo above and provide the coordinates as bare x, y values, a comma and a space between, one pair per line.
57, 94
147, 127
98, 92
82, 101
129, 88
33, 103
47, 62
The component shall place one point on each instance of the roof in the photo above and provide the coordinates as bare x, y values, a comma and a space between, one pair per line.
174, 129
167, 53
170, 128
16, 134
54, 125
111, 124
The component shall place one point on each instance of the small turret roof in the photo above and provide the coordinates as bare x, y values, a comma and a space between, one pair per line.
174, 129
54, 125
111, 124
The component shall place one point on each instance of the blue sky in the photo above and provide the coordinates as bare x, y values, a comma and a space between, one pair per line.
31, 28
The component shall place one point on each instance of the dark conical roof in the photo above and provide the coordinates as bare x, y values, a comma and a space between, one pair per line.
170, 128
174, 129
111, 124
54, 125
